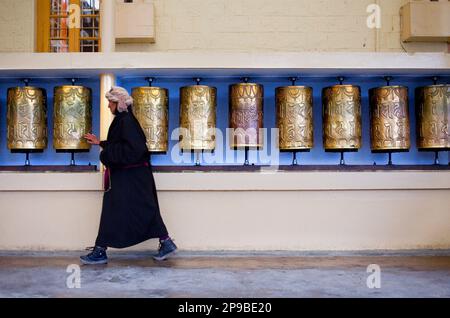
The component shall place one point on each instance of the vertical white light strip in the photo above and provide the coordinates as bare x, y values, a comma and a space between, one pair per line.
107, 25
106, 82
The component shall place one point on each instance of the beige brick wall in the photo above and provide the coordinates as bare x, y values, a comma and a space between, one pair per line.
17, 25
388, 37
281, 25
246, 26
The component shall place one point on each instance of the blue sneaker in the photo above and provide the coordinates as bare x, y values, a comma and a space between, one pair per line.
166, 249
96, 257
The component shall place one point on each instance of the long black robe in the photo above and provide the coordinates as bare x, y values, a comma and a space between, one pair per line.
130, 212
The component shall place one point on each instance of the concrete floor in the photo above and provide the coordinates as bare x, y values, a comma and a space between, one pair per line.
259, 275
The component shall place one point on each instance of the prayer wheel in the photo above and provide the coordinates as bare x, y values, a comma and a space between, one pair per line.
151, 108
27, 119
432, 117
389, 118
72, 118
246, 116
198, 118
294, 107
342, 118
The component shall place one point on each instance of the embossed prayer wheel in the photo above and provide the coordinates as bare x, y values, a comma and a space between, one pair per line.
72, 118
246, 116
432, 117
342, 118
151, 108
27, 119
198, 118
294, 107
389, 119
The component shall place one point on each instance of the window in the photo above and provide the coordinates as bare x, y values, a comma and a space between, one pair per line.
68, 26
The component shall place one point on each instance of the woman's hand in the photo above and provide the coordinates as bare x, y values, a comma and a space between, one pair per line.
92, 139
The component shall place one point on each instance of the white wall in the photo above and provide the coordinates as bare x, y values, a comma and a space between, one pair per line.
243, 220
235, 211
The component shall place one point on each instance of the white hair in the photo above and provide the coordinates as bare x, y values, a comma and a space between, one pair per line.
121, 97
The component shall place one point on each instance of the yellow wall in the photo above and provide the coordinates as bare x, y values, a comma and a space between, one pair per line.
245, 26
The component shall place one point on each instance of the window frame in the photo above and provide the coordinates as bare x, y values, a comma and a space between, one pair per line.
43, 30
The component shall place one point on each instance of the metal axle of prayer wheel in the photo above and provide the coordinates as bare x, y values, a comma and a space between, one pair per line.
432, 118
198, 105
246, 116
342, 118
27, 120
151, 109
294, 118
389, 119
72, 119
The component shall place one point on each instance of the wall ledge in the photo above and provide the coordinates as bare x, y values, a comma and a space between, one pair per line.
229, 64
239, 181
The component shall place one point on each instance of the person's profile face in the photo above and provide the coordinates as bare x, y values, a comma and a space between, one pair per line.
112, 107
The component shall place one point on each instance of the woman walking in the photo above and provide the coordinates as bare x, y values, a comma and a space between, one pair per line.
130, 212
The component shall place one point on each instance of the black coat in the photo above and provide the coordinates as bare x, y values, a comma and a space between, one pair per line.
130, 213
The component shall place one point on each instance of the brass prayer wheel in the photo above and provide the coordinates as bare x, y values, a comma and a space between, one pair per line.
342, 118
27, 119
72, 118
246, 115
389, 119
294, 107
198, 118
151, 108
432, 117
